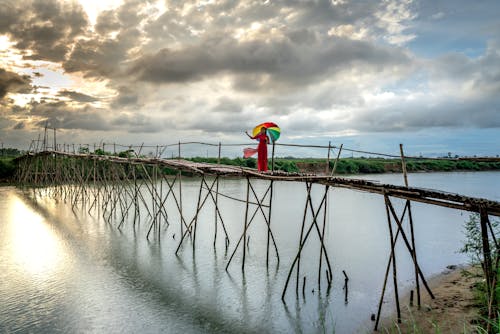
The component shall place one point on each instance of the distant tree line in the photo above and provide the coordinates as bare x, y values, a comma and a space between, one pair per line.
344, 166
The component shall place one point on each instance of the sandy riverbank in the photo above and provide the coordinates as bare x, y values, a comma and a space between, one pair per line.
453, 310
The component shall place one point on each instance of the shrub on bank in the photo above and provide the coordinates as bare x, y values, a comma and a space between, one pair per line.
473, 246
7, 168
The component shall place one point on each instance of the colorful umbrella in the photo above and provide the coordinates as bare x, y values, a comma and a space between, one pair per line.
273, 130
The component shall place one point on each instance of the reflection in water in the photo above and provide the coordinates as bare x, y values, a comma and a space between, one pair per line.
65, 271
35, 248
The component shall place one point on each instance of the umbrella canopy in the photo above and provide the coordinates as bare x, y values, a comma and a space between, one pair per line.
273, 130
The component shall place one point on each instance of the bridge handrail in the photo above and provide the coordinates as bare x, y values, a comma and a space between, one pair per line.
163, 147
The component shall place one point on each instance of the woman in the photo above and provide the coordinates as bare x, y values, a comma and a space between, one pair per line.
261, 149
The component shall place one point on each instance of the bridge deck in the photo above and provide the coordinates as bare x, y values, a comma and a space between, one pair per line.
422, 195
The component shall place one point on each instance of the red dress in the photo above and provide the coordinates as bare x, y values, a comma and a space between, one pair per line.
262, 151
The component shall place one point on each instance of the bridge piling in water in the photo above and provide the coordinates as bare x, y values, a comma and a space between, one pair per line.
116, 187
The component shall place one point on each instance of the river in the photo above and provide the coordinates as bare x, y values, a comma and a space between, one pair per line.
65, 271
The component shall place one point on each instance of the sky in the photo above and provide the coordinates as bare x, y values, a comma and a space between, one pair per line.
366, 74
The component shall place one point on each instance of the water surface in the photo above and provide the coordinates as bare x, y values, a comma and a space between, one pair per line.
71, 271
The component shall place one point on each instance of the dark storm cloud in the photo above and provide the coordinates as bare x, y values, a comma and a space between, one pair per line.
102, 57
78, 97
61, 115
126, 97
59, 31
106, 53
284, 61
47, 28
11, 82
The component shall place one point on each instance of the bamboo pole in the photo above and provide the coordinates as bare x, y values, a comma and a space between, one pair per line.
336, 160
299, 252
327, 167
198, 208
245, 225
272, 158
412, 233
308, 187
408, 246
322, 238
394, 266
487, 267
259, 204
269, 225
216, 198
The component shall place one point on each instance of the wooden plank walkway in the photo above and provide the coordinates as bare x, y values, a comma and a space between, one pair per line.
429, 196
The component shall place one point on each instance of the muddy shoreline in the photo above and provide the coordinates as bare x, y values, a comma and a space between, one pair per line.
454, 310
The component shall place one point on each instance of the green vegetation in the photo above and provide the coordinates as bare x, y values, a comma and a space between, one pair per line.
7, 166
474, 247
361, 165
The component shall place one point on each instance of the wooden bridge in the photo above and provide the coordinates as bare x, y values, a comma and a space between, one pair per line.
116, 186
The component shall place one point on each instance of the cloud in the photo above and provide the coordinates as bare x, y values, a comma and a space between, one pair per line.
11, 82
127, 97
279, 62
228, 105
19, 126
62, 115
102, 57
78, 97
45, 29
117, 39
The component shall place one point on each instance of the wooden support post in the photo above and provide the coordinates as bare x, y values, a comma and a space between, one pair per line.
394, 266
216, 197
408, 246
336, 160
259, 207
272, 158
327, 167
219, 153
45, 137
322, 236
403, 164
381, 300
487, 265
198, 208
179, 175
245, 225
315, 214
346, 287
412, 233
308, 187
269, 227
